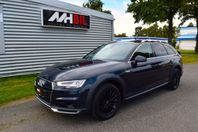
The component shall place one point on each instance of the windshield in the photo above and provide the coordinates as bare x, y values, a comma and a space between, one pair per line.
114, 51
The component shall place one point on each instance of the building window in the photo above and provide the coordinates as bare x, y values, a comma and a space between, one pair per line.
2, 45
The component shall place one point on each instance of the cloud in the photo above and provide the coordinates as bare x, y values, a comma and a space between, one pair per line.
124, 22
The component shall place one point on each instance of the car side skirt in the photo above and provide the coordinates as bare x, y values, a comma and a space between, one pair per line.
154, 88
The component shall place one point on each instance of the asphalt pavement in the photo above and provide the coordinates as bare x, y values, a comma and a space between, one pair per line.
158, 111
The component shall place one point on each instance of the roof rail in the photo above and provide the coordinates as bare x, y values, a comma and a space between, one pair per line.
154, 41
141, 40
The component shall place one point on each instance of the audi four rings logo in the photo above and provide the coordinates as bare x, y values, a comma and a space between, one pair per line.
41, 82
64, 19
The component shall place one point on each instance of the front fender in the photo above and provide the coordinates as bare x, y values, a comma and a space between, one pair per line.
100, 80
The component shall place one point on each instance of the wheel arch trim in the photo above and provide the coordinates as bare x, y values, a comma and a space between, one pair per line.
105, 78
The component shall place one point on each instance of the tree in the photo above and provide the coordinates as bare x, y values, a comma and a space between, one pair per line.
120, 35
96, 5
151, 11
138, 31
190, 11
190, 25
107, 11
154, 31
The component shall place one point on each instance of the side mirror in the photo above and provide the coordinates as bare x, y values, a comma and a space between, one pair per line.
140, 58
137, 59
179, 52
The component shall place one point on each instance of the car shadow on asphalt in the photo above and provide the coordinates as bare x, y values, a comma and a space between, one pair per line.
134, 108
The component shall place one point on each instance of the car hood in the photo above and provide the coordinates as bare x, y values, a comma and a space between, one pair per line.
81, 69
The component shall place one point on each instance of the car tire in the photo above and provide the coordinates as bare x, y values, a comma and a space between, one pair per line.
106, 102
175, 80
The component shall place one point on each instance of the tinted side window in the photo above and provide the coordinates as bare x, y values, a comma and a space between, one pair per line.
159, 50
169, 50
144, 50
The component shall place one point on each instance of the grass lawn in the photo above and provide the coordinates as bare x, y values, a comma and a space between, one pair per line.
14, 88
189, 56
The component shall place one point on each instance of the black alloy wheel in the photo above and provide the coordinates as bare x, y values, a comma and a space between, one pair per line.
175, 80
107, 102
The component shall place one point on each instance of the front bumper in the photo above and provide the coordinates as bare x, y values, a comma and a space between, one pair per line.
60, 110
61, 100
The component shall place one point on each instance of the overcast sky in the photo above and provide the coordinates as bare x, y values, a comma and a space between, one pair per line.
124, 22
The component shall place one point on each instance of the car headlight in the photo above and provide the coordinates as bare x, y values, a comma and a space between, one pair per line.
71, 84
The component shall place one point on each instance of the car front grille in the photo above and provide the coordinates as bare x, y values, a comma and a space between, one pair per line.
43, 89
43, 83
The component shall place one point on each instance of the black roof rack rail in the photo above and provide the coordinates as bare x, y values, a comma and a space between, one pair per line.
141, 41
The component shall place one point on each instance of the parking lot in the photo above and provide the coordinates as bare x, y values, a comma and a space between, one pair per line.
158, 111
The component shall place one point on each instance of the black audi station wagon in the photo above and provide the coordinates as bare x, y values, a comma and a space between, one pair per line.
104, 78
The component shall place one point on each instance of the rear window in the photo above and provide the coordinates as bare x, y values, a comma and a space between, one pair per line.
170, 50
159, 49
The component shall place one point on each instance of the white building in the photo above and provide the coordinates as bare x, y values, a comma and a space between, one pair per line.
187, 38
35, 34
